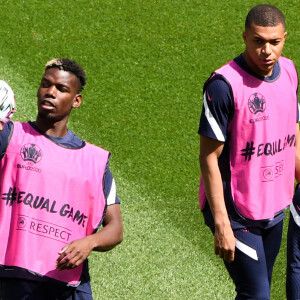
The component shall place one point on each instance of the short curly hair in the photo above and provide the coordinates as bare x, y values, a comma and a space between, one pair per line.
68, 65
265, 15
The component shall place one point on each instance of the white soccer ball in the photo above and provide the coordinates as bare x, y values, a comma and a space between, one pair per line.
7, 102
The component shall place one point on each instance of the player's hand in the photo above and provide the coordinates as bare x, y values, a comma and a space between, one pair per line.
225, 243
74, 254
1, 126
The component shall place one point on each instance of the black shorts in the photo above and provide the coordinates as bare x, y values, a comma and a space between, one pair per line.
22, 289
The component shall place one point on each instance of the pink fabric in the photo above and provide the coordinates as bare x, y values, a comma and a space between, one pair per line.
264, 123
50, 196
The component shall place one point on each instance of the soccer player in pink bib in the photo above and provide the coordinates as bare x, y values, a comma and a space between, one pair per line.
56, 192
247, 152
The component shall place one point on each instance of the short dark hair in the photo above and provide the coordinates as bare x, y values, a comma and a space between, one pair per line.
265, 15
68, 65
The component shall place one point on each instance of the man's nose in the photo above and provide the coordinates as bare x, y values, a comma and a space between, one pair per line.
52, 91
267, 49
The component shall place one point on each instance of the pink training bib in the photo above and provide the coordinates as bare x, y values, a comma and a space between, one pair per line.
50, 196
262, 140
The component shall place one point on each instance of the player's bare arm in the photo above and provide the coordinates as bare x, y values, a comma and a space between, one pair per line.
76, 252
112, 232
210, 150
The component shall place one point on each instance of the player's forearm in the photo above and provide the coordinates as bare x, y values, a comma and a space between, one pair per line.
108, 237
210, 151
214, 191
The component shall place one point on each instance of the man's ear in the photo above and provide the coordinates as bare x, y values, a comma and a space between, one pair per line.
284, 36
77, 101
244, 36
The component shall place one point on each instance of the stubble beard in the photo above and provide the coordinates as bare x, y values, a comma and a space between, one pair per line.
47, 117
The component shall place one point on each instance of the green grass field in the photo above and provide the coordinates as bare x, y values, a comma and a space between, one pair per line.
146, 62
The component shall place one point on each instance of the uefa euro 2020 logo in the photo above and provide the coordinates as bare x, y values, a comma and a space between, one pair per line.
31, 153
257, 103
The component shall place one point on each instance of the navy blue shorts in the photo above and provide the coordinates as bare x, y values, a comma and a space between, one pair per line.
293, 250
255, 254
22, 289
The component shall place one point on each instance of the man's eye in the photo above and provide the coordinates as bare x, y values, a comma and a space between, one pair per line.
275, 43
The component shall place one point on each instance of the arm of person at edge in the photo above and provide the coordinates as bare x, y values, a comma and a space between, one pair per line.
297, 171
76, 252
224, 240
